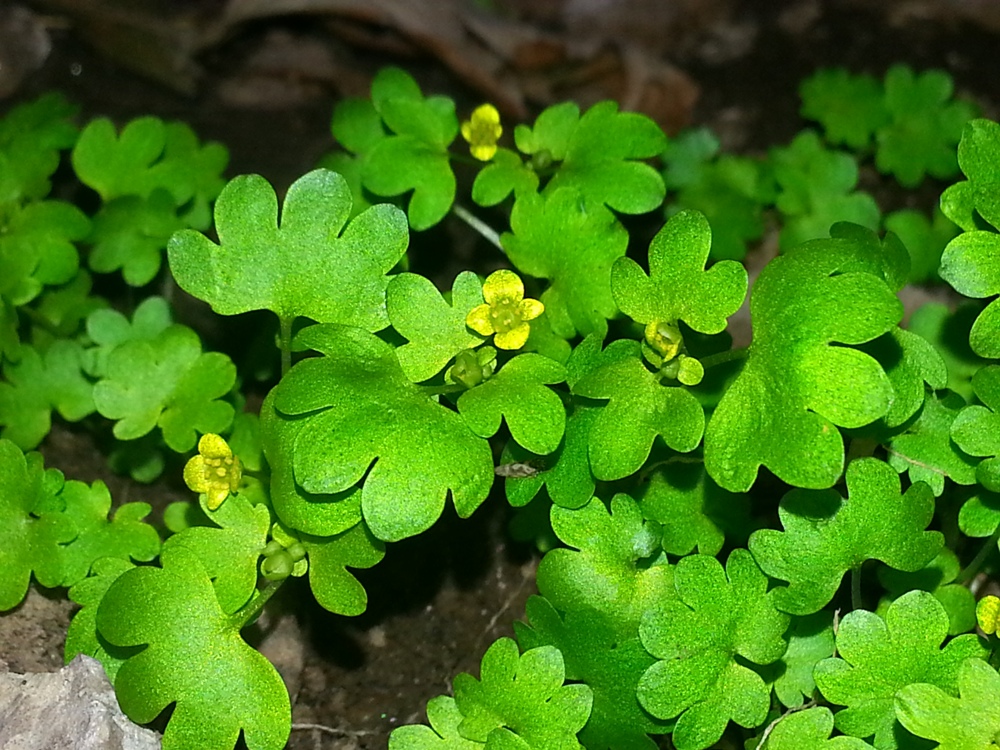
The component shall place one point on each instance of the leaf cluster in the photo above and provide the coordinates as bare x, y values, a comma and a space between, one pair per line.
732, 532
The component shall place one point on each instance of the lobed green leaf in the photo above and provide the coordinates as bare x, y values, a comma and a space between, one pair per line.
39, 383
967, 722
29, 543
100, 534
825, 535
816, 189
598, 152
523, 695
434, 328
560, 237
357, 409
167, 382
415, 156
810, 730
228, 549
596, 654
639, 409
926, 449
194, 658
880, 657
851, 108
314, 264
608, 569
442, 734
693, 510
535, 414
924, 125
717, 615
799, 381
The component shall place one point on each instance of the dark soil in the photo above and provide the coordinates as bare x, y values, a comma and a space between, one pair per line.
436, 602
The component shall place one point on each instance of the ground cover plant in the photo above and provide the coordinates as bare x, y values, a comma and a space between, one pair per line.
770, 544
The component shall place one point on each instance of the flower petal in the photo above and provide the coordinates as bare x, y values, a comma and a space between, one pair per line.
531, 309
194, 474
479, 320
483, 151
487, 114
514, 338
213, 446
503, 284
215, 497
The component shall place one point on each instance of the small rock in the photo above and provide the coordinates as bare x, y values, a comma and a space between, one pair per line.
24, 46
72, 708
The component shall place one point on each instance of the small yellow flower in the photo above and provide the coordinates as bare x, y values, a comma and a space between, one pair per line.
214, 472
665, 338
482, 131
506, 312
988, 614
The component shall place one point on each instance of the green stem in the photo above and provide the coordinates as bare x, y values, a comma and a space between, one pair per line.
645, 473
485, 230
250, 611
285, 344
977, 562
856, 587
438, 390
722, 357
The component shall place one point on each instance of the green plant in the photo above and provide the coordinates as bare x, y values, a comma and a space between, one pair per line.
671, 602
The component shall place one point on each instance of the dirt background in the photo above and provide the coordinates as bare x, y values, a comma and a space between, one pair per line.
262, 77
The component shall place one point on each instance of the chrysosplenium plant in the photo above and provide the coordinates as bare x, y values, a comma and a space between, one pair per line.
826, 602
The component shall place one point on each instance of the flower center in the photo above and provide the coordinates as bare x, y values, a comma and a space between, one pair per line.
665, 338
505, 314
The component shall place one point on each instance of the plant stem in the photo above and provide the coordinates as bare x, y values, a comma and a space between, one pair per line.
438, 390
485, 230
977, 562
856, 587
285, 344
723, 357
251, 609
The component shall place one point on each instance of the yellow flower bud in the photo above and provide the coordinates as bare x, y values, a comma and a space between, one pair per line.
482, 131
215, 472
665, 338
988, 614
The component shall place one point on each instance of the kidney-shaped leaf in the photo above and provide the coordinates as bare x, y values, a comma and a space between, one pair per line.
678, 286
193, 657
310, 264
825, 535
798, 381
360, 409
